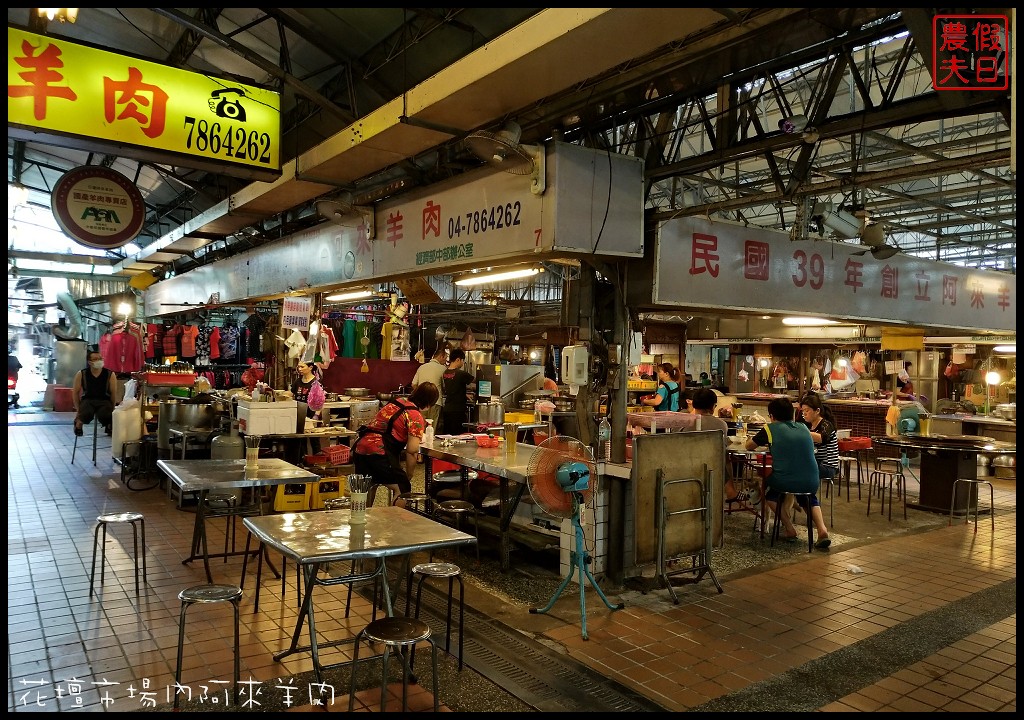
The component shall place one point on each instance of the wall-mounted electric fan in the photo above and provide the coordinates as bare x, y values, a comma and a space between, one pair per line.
347, 215
504, 151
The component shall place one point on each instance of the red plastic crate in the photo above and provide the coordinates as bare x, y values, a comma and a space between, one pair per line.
337, 454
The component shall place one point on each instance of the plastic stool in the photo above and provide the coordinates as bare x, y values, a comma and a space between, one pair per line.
975, 482
101, 522
452, 573
95, 435
777, 522
458, 508
204, 595
402, 634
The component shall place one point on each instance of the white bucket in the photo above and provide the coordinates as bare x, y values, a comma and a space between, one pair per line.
125, 426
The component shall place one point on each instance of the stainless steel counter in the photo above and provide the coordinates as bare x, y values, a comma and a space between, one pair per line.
507, 468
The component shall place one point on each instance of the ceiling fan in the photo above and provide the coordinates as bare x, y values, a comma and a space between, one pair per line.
562, 477
872, 235
504, 151
346, 215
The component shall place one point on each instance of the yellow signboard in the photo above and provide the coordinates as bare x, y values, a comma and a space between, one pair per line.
57, 86
902, 339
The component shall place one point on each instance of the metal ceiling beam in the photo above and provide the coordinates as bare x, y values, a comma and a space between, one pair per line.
271, 69
868, 179
517, 69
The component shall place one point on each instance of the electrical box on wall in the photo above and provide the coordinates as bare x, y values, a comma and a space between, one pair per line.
575, 360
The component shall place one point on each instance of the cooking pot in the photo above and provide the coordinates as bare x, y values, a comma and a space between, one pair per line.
527, 404
188, 415
356, 392
1009, 461
1007, 411
489, 413
564, 404
385, 397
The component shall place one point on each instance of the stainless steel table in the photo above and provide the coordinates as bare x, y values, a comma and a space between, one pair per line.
202, 476
507, 468
314, 538
944, 458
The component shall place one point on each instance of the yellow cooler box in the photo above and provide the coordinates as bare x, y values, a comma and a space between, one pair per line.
293, 497
326, 489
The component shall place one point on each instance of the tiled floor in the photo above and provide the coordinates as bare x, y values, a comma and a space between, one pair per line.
909, 622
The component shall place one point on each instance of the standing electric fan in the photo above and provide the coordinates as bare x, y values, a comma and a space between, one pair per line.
561, 477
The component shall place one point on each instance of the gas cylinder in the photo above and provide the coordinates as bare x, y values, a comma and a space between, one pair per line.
228, 447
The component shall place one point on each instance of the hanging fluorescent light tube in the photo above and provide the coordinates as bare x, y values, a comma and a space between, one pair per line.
497, 276
808, 321
352, 295
1005, 349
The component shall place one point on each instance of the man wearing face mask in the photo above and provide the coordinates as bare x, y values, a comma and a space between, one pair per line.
93, 394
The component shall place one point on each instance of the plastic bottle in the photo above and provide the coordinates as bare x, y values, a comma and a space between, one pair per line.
604, 438
536, 413
428, 434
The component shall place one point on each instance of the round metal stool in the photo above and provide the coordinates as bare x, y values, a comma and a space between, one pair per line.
458, 508
777, 522
400, 634
440, 570
973, 486
223, 504
101, 522
416, 501
95, 435
338, 503
205, 595
888, 471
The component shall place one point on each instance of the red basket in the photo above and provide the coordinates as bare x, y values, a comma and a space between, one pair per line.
337, 454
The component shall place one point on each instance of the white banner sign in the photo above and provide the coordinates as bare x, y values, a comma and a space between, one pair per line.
720, 265
295, 313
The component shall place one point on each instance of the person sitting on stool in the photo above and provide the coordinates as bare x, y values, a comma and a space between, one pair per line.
389, 444
93, 394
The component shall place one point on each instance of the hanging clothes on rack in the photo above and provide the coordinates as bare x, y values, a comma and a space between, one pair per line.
207, 344
229, 339
170, 341
187, 340
121, 348
152, 343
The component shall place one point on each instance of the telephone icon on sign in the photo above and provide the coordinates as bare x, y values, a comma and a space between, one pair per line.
224, 105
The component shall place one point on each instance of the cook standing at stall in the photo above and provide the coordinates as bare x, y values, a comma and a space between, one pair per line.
431, 372
305, 376
667, 397
458, 387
